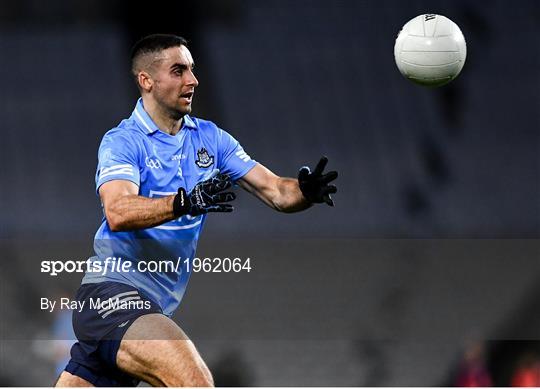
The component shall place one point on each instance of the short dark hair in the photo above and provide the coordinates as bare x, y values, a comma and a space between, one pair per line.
152, 44
155, 43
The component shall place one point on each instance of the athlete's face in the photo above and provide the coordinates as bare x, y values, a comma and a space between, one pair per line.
173, 80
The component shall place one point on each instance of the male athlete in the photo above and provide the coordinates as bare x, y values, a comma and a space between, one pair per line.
159, 173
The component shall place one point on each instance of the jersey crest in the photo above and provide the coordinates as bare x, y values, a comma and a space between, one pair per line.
204, 159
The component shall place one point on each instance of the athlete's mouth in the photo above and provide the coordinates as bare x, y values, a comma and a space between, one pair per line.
187, 95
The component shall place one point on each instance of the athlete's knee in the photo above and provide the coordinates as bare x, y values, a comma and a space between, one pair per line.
196, 381
208, 377
201, 378
201, 381
165, 363
156, 350
184, 366
209, 380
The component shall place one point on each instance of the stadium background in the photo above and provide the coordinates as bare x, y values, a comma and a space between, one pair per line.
431, 248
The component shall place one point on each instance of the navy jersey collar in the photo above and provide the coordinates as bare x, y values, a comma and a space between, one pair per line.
146, 123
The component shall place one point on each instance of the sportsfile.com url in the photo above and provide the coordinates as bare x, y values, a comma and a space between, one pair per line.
119, 265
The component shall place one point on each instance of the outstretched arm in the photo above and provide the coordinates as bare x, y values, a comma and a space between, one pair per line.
289, 194
280, 193
125, 210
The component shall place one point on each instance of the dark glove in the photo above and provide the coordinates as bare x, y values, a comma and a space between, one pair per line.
314, 186
205, 197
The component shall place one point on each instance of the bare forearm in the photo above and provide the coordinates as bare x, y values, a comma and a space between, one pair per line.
133, 212
289, 197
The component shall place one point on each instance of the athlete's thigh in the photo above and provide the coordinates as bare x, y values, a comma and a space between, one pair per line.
157, 351
67, 380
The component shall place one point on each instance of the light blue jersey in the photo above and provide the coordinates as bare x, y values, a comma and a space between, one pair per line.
159, 164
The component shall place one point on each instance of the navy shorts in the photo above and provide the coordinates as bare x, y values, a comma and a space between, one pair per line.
108, 311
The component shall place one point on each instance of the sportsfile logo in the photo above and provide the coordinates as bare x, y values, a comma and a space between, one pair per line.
119, 265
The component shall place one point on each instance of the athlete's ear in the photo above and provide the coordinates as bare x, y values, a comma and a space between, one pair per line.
145, 81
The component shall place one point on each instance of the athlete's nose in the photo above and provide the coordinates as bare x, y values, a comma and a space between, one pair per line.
192, 79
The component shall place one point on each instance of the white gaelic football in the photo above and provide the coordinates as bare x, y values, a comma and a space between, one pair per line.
430, 50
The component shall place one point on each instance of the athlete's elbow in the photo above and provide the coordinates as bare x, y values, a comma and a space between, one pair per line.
114, 226
115, 221
285, 209
289, 205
